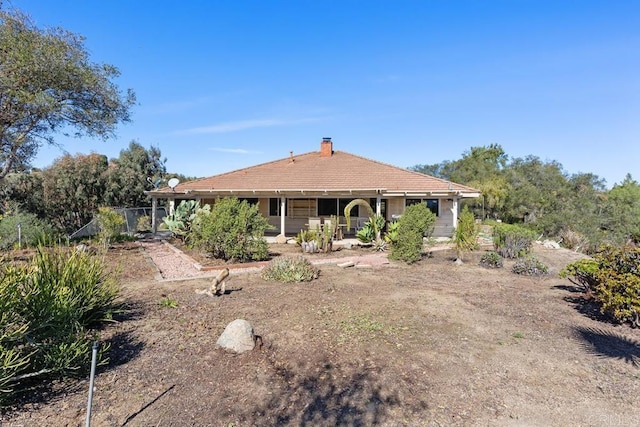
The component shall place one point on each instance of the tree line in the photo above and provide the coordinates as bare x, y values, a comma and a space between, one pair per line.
68, 193
577, 208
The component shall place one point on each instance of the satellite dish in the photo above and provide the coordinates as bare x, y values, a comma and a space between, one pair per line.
173, 182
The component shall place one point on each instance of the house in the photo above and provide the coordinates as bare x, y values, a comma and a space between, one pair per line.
319, 184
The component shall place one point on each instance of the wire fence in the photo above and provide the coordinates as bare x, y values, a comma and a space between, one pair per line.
132, 217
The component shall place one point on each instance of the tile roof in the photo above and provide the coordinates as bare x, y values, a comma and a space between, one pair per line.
315, 173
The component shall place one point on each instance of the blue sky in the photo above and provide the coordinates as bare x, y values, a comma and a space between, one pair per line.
228, 84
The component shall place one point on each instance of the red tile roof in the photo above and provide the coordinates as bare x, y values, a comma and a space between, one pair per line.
311, 172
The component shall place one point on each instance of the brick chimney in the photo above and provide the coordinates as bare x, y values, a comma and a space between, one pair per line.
326, 147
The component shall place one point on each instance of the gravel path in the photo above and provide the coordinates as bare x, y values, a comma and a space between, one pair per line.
173, 264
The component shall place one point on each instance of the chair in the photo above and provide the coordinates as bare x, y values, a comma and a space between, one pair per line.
314, 224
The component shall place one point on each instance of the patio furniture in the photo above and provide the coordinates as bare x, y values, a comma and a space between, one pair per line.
314, 224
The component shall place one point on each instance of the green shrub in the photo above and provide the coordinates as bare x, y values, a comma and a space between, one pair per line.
466, 233
416, 222
143, 224
613, 278
306, 236
32, 230
232, 230
491, 260
512, 241
48, 308
583, 272
110, 224
290, 269
529, 266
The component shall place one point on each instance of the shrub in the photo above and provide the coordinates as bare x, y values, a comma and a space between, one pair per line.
181, 221
573, 240
583, 272
47, 309
232, 230
391, 236
416, 222
306, 236
110, 224
290, 269
366, 234
491, 260
529, 266
613, 277
466, 234
512, 241
144, 223
32, 230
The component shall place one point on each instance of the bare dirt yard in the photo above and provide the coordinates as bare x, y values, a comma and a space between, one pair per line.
432, 344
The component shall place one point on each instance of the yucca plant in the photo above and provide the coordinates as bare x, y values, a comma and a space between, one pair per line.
48, 308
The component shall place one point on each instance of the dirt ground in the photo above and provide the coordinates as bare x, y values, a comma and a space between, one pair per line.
432, 344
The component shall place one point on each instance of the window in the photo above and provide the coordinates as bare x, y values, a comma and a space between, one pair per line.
250, 200
327, 207
355, 211
300, 208
274, 206
432, 204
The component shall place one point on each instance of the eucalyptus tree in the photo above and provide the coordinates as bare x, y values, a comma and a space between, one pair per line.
74, 189
136, 170
49, 85
622, 211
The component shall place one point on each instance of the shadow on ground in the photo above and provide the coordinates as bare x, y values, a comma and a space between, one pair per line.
329, 398
605, 343
583, 304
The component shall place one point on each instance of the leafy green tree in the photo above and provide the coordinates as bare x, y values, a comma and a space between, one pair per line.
537, 189
74, 188
136, 170
482, 168
476, 165
25, 191
48, 84
622, 211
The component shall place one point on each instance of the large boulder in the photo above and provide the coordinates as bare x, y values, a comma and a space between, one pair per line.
237, 336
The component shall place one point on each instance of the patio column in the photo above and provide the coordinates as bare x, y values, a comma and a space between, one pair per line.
154, 206
172, 206
283, 205
378, 205
454, 210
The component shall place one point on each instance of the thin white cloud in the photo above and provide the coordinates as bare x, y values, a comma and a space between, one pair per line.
246, 124
234, 150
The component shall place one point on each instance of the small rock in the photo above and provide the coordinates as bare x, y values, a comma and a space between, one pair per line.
281, 239
458, 261
237, 336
